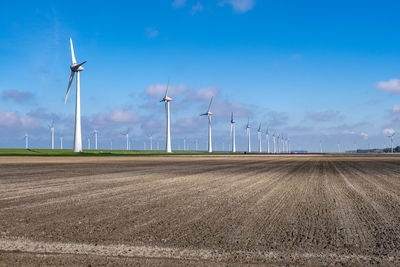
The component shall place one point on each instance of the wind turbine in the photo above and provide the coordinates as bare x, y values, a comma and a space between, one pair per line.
95, 138
259, 139
391, 140
274, 141
61, 142
209, 114
248, 135
151, 142
167, 99
26, 141
267, 137
51, 127
127, 138
76, 68
279, 143
88, 142
320, 146
233, 133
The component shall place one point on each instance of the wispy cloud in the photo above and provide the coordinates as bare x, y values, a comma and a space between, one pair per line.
12, 120
18, 96
178, 3
239, 6
152, 32
197, 8
158, 90
392, 86
324, 116
388, 131
204, 93
116, 116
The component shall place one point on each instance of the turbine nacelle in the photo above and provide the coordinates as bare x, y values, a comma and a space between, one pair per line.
77, 67
166, 99
208, 113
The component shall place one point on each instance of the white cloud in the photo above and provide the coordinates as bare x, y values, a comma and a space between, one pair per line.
158, 90
239, 6
205, 93
152, 32
197, 8
17, 96
324, 116
388, 131
116, 116
348, 132
178, 3
364, 135
11, 120
392, 86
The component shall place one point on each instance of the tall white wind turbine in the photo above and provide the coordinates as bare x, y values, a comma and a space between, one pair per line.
26, 141
209, 114
248, 136
95, 138
259, 139
391, 140
51, 127
151, 142
267, 137
274, 141
279, 143
126, 134
76, 68
167, 99
233, 133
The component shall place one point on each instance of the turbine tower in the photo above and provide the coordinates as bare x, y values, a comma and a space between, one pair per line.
267, 137
76, 68
274, 141
51, 127
151, 142
127, 138
248, 136
26, 141
61, 142
259, 139
233, 133
95, 138
88, 143
279, 143
391, 140
209, 114
167, 99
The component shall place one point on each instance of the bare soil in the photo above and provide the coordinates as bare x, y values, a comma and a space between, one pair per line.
199, 210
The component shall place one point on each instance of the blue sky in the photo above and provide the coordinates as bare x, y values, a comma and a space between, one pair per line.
312, 70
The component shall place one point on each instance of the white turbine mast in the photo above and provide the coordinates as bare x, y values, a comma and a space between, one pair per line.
267, 139
233, 133
126, 134
209, 114
279, 143
391, 140
88, 141
26, 141
274, 141
167, 99
95, 138
76, 68
151, 141
259, 139
248, 135
51, 127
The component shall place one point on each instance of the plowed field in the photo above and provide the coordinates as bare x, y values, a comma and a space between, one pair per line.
296, 210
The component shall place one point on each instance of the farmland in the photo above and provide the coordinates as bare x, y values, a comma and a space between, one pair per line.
195, 210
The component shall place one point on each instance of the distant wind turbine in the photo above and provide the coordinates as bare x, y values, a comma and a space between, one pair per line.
88, 141
267, 137
274, 141
233, 133
209, 114
167, 99
391, 139
95, 138
76, 68
26, 141
259, 139
151, 142
248, 136
61, 142
126, 134
51, 127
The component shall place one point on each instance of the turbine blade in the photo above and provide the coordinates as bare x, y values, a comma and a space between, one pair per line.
209, 106
80, 64
232, 116
71, 77
166, 91
72, 52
